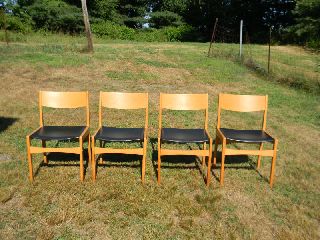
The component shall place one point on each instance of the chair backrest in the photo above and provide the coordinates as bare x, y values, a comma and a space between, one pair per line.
243, 103
64, 100
183, 102
120, 100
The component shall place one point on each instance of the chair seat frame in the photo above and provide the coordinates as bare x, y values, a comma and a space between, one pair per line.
61, 100
184, 102
118, 100
243, 103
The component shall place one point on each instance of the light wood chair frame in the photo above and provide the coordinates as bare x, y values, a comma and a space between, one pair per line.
194, 102
243, 103
125, 101
70, 100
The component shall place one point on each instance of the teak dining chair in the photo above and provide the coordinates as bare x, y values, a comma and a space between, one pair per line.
244, 103
60, 133
178, 135
118, 100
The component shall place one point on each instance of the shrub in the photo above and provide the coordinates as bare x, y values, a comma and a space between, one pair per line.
112, 30
181, 33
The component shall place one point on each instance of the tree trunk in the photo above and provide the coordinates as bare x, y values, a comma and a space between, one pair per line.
87, 25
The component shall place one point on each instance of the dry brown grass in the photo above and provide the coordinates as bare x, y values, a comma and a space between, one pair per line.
117, 206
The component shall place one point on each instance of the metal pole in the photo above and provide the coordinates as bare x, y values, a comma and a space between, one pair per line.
241, 25
269, 53
213, 36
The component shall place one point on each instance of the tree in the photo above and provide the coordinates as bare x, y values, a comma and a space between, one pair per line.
87, 25
306, 29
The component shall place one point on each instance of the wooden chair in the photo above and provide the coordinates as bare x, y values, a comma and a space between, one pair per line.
178, 135
60, 133
117, 100
244, 103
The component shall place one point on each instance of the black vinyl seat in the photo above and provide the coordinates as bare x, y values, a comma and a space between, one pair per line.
59, 133
178, 135
112, 134
248, 136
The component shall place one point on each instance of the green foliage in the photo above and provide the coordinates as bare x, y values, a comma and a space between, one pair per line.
164, 19
56, 15
15, 23
106, 10
307, 27
133, 12
112, 30
181, 33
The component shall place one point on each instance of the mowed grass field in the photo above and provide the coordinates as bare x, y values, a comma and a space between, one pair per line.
117, 206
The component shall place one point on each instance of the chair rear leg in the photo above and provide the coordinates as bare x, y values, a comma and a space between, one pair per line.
143, 170
209, 164
81, 161
101, 159
29, 160
89, 149
93, 160
45, 159
215, 151
159, 161
273, 163
222, 162
259, 157
204, 157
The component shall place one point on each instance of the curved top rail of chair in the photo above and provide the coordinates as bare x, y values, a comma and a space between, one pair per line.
184, 101
63, 99
243, 103
120, 100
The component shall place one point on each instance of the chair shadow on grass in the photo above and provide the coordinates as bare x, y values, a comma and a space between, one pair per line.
6, 122
64, 160
233, 161
176, 159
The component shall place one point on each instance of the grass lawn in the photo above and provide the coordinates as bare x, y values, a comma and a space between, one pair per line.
117, 206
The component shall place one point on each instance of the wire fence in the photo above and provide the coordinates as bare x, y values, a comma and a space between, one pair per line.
289, 65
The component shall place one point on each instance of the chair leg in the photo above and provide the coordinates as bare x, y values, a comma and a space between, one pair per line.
143, 170
215, 151
89, 149
159, 160
101, 159
204, 157
93, 160
29, 160
209, 164
259, 157
222, 162
273, 163
81, 160
45, 159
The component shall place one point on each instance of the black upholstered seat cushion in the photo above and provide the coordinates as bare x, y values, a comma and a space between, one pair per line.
58, 133
112, 134
179, 135
250, 136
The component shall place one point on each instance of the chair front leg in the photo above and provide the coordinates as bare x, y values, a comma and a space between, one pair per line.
222, 162
29, 160
273, 163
